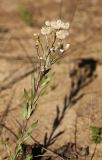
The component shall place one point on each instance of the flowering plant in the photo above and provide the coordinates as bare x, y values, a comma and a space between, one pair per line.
49, 44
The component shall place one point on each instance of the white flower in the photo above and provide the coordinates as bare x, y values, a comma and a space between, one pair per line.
62, 34
62, 47
40, 58
61, 50
46, 30
67, 46
56, 24
48, 23
36, 35
65, 25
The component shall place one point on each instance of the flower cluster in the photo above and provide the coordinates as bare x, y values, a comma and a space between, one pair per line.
54, 34
57, 26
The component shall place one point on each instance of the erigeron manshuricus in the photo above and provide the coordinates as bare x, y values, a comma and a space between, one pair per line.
55, 32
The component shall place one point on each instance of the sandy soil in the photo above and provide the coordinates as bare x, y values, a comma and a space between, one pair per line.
17, 68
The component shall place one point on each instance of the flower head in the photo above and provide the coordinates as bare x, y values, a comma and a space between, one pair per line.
48, 23
56, 24
62, 47
67, 46
55, 31
46, 30
62, 34
65, 25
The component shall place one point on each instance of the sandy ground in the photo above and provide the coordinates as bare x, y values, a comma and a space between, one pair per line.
17, 68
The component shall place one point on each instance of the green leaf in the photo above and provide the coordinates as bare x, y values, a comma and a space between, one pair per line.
101, 130
46, 80
9, 152
43, 91
19, 146
26, 95
26, 110
30, 129
95, 130
29, 157
45, 83
33, 89
47, 61
25, 15
96, 139
97, 133
33, 109
29, 112
53, 61
36, 76
20, 131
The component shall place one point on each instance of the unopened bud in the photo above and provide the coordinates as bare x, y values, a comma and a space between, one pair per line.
41, 58
61, 50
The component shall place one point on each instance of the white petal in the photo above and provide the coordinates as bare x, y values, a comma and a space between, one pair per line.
67, 46
47, 23
55, 24
62, 34
46, 30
